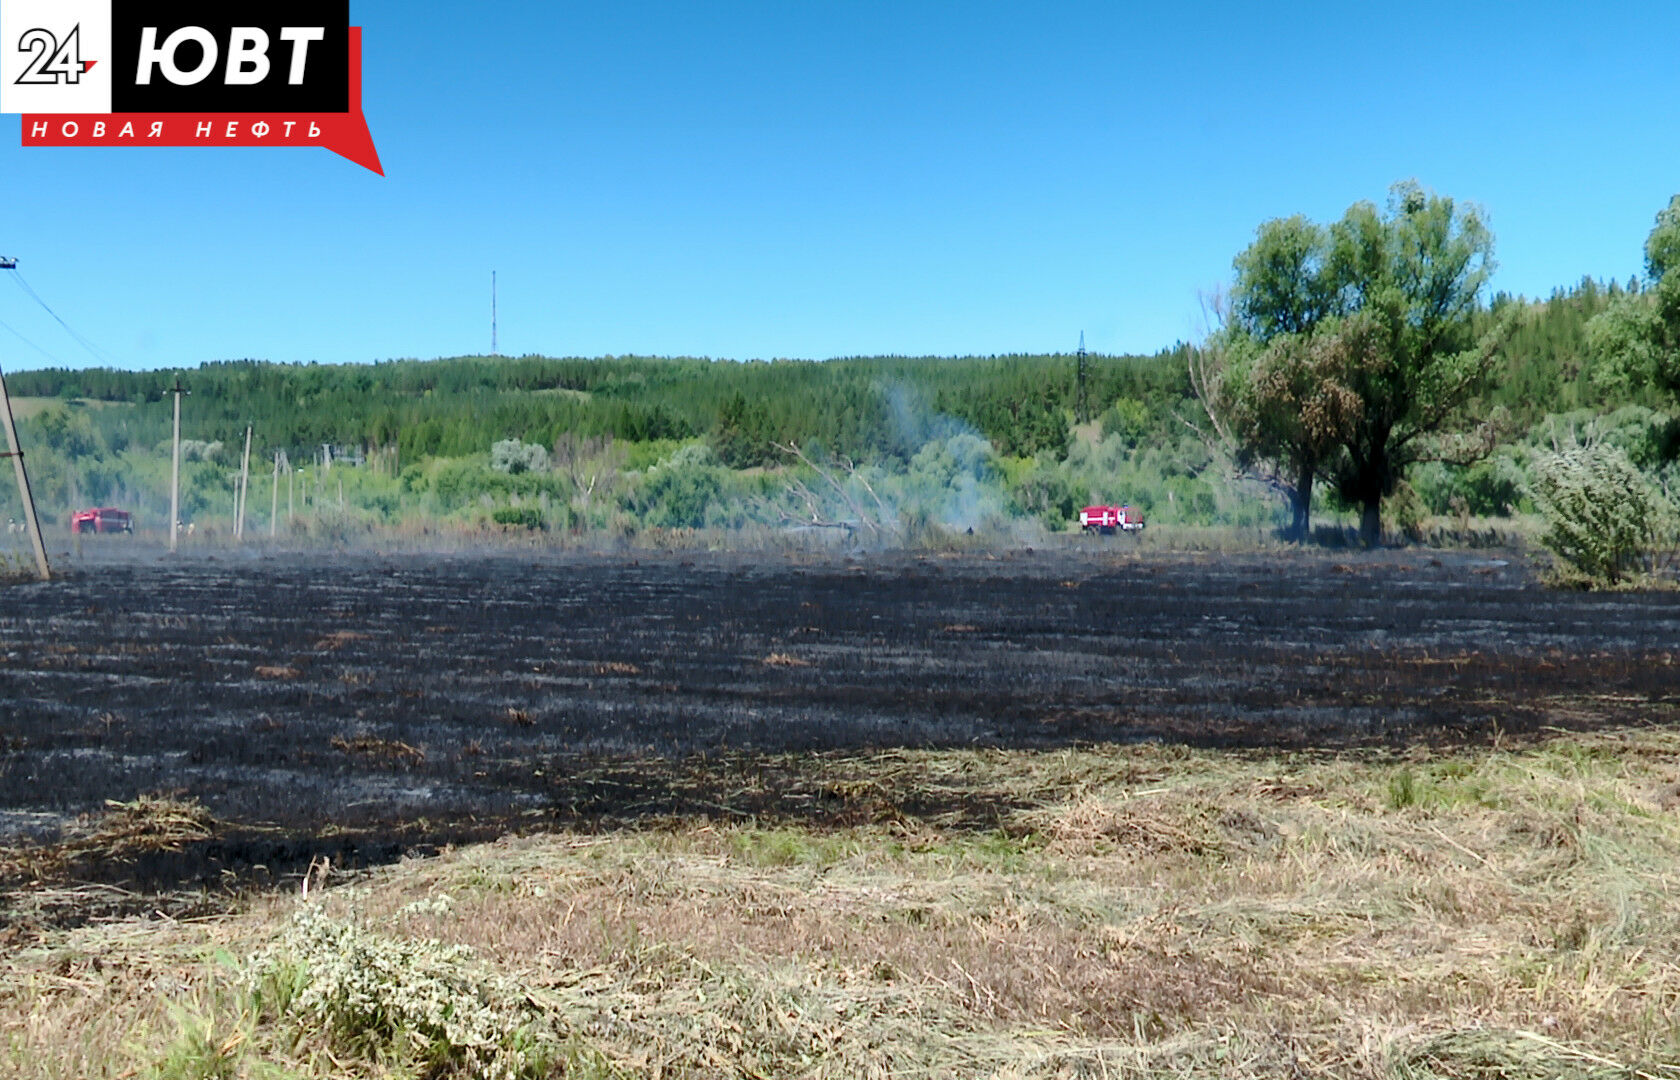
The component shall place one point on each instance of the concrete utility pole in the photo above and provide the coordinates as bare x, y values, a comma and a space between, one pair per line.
175, 472
30, 521
244, 486
274, 500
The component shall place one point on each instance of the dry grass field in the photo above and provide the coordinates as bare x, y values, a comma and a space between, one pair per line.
1484, 910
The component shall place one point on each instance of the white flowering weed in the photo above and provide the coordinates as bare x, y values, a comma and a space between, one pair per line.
394, 1000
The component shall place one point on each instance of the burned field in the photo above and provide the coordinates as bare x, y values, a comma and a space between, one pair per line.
395, 702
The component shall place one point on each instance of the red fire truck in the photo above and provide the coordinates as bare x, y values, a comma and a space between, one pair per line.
103, 520
1110, 519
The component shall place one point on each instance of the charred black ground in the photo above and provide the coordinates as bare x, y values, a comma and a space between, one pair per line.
367, 704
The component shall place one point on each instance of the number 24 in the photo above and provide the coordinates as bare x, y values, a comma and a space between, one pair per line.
52, 63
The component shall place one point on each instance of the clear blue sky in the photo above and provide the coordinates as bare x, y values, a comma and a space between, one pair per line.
802, 178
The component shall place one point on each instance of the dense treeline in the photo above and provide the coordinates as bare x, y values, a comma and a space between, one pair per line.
865, 408
1545, 365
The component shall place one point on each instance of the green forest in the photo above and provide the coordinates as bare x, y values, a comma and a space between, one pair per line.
1358, 373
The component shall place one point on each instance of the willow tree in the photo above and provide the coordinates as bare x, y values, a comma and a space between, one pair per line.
1367, 325
1287, 407
1414, 275
1282, 399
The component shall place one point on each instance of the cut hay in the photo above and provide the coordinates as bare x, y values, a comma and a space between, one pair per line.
392, 750
1141, 912
277, 671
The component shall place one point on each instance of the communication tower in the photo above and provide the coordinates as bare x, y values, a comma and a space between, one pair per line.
1080, 412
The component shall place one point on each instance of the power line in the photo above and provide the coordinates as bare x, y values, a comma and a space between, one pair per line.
9, 328
95, 351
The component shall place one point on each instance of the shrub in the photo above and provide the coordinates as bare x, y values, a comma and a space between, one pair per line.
1405, 511
1601, 515
678, 493
529, 517
514, 457
1050, 495
1492, 487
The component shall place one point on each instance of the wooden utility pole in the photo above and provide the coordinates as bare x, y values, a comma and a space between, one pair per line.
244, 486
274, 500
175, 472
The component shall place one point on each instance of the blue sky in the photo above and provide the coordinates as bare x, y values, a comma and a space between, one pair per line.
813, 179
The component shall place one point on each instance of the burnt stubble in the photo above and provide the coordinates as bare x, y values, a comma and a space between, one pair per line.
429, 698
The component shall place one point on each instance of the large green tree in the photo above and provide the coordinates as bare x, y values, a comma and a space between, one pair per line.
1363, 343
1411, 279
1285, 401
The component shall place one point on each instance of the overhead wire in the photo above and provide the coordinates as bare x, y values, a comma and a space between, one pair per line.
93, 350
9, 328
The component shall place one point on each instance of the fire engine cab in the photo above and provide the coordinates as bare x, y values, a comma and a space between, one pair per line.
103, 520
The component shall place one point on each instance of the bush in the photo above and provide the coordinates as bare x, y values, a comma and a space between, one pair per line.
529, 517
678, 493
1405, 511
1048, 494
1602, 516
1492, 487
514, 457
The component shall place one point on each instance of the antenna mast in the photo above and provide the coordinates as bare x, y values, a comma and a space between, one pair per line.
1080, 411
493, 351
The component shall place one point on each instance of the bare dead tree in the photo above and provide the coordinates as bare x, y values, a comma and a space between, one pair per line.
813, 503
1208, 369
815, 517
588, 463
